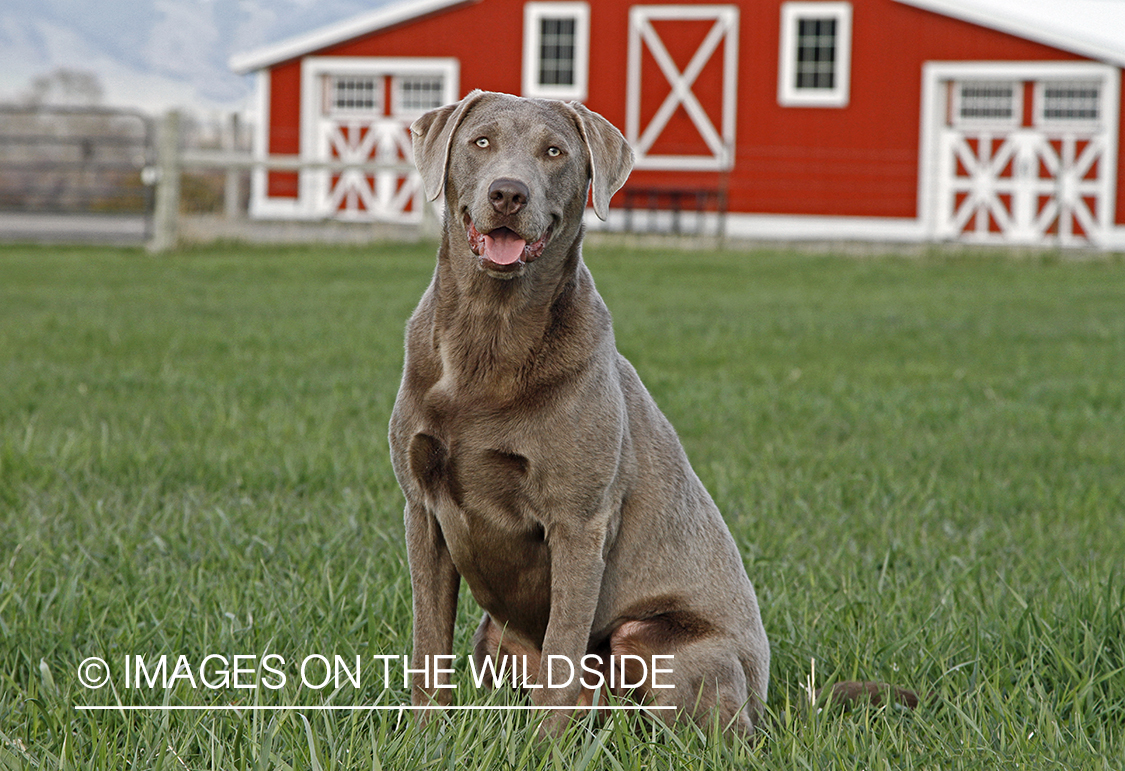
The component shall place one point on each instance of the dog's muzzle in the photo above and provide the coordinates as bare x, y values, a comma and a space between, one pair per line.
502, 249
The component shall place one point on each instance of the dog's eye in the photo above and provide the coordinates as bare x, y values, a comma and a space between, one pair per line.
482, 142
554, 152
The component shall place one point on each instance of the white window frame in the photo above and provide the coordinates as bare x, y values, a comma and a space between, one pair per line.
533, 14
1040, 113
1012, 121
316, 71
788, 94
329, 90
400, 111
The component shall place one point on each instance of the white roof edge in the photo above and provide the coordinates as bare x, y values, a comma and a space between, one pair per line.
1026, 27
380, 18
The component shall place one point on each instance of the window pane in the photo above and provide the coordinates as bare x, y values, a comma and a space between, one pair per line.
1070, 101
556, 52
987, 101
418, 93
355, 93
816, 53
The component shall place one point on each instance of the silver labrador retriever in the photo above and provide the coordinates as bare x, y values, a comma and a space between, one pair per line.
534, 463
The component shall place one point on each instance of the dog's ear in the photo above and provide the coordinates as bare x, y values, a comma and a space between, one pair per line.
611, 158
432, 136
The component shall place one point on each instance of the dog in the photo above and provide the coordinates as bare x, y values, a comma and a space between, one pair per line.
534, 463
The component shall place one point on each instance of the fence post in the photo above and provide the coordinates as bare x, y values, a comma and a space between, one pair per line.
167, 208
232, 193
431, 224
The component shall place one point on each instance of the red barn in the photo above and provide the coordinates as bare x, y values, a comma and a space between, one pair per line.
902, 120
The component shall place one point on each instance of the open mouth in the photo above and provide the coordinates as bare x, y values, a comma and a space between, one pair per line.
503, 249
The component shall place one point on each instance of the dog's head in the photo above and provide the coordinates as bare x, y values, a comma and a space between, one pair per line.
517, 172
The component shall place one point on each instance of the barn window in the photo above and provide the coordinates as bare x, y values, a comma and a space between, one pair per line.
816, 53
356, 93
556, 52
815, 65
556, 41
416, 94
995, 102
1068, 102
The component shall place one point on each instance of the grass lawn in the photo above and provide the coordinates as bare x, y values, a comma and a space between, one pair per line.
922, 461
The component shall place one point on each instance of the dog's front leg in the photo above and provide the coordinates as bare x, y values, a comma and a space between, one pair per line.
435, 581
577, 566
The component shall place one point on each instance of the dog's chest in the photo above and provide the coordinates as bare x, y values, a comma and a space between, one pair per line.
469, 464
482, 498
450, 471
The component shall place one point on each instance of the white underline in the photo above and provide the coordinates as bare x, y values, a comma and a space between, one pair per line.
330, 707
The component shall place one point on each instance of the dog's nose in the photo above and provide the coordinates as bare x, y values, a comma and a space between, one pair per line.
508, 196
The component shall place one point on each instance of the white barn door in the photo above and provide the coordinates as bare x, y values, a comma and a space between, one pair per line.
1022, 153
358, 111
654, 94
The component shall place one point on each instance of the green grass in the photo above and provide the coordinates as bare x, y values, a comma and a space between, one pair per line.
922, 460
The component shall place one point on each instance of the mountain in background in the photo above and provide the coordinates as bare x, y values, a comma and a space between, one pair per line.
152, 54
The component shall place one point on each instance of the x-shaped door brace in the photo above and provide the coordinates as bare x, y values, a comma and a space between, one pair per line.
642, 33
356, 194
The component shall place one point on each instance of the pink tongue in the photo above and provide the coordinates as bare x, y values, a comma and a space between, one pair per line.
503, 247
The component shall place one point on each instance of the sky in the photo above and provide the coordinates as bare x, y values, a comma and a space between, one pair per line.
153, 54
157, 54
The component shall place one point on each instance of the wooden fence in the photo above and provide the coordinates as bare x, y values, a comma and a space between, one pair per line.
680, 212
172, 160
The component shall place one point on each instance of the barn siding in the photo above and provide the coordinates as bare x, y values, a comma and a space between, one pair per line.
285, 124
1119, 219
861, 160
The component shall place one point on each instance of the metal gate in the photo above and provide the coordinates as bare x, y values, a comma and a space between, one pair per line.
75, 174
